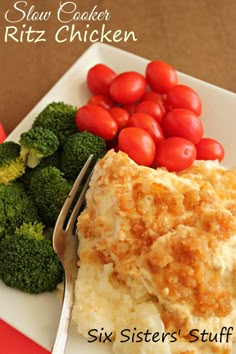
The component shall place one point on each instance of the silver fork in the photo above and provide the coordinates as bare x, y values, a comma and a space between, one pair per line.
65, 243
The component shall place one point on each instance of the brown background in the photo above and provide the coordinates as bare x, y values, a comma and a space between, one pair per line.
197, 37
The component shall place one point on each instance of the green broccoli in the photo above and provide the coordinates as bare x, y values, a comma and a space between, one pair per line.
16, 207
36, 144
77, 150
28, 261
52, 160
58, 117
2, 217
49, 189
12, 165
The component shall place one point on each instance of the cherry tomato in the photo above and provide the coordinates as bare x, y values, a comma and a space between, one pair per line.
96, 120
148, 123
183, 123
182, 96
102, 101
160, 76
99, 78
176, 154
210, 149
151, 108
128, 87
155, 97
138, 144
120, 115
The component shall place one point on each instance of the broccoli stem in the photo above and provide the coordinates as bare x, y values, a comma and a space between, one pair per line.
33, 160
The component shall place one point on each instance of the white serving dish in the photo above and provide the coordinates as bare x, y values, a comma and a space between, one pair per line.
37, 315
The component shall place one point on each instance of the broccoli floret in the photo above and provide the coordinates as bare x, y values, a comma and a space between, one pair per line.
2, 218
16, 207
52, 160
28, 261
36, 144
58, 117
49, 189
12, 166
77, 150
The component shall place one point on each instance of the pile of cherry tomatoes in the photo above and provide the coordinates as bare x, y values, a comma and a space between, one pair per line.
151, 117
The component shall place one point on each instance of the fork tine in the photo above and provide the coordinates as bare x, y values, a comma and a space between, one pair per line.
64, 211
77, 207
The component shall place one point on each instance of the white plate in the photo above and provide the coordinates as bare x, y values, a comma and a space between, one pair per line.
37, 315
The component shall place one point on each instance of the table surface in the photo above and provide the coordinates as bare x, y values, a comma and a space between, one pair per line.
195, 36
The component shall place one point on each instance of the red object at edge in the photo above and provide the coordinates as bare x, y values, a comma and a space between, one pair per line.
2, 134
14, 342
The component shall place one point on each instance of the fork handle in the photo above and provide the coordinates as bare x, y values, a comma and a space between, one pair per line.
62, 332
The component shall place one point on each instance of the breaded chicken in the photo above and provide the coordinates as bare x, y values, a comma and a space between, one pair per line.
169, 240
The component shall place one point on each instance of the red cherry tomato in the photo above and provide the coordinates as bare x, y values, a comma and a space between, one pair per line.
160, 76
151, 108
183, 123
96, 120
155, 97
102, 101
210, 149
176, 154
128, 87
148, 123
99, 78
120, 115
182, 96
138, 144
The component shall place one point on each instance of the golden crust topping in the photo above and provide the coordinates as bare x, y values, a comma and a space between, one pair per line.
166, 231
